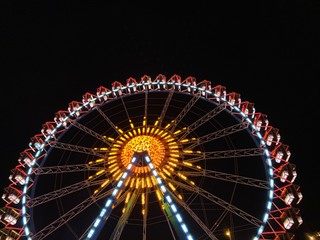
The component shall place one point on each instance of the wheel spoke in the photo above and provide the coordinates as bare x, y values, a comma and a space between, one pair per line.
108, 120
68, 169
56, 194
201, 121
165, 107
252, 182
195, 217
183, 113
90, 132
75, 148
200, 156
63, 219
219, 134
231, 208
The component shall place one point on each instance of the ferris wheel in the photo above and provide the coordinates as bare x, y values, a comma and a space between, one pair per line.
155, 158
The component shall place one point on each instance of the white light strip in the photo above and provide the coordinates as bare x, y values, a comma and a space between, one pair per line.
169, 200
105, 212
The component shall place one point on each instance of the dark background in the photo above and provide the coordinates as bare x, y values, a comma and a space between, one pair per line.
52, 52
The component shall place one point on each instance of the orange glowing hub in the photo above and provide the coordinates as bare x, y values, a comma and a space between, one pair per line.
163, 147
141, 143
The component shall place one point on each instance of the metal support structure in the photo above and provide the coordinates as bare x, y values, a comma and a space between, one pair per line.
184, 111
219, 134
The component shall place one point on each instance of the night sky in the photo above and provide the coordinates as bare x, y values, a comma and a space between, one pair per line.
52, 52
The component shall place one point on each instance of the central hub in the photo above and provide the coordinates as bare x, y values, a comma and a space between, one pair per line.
143, 143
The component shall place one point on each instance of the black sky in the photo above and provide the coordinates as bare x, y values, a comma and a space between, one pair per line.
52, 52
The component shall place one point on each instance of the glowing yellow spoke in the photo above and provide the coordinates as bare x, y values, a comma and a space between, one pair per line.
182, 176
187, 163
113, 168
166, 172
170, 168
173, 147
100, 172
127, 181
128, 197
170, 140
177, 132
187, 151
116, 173
131, 124
143, 199
162, 175
111, 158
173, 159
143, 183
154, 181
159, 194
118, 176
169, 124
174, 150
156, 122
164, 134
101, 149
119, 130
172, 164
160, 132
112, 161
101, 160
132, 182
137, 183
149, 184
126, 136
171, 186
144, 122
105, 183
102, 186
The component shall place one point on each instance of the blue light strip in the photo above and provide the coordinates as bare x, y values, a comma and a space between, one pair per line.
169, 201
105, 212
